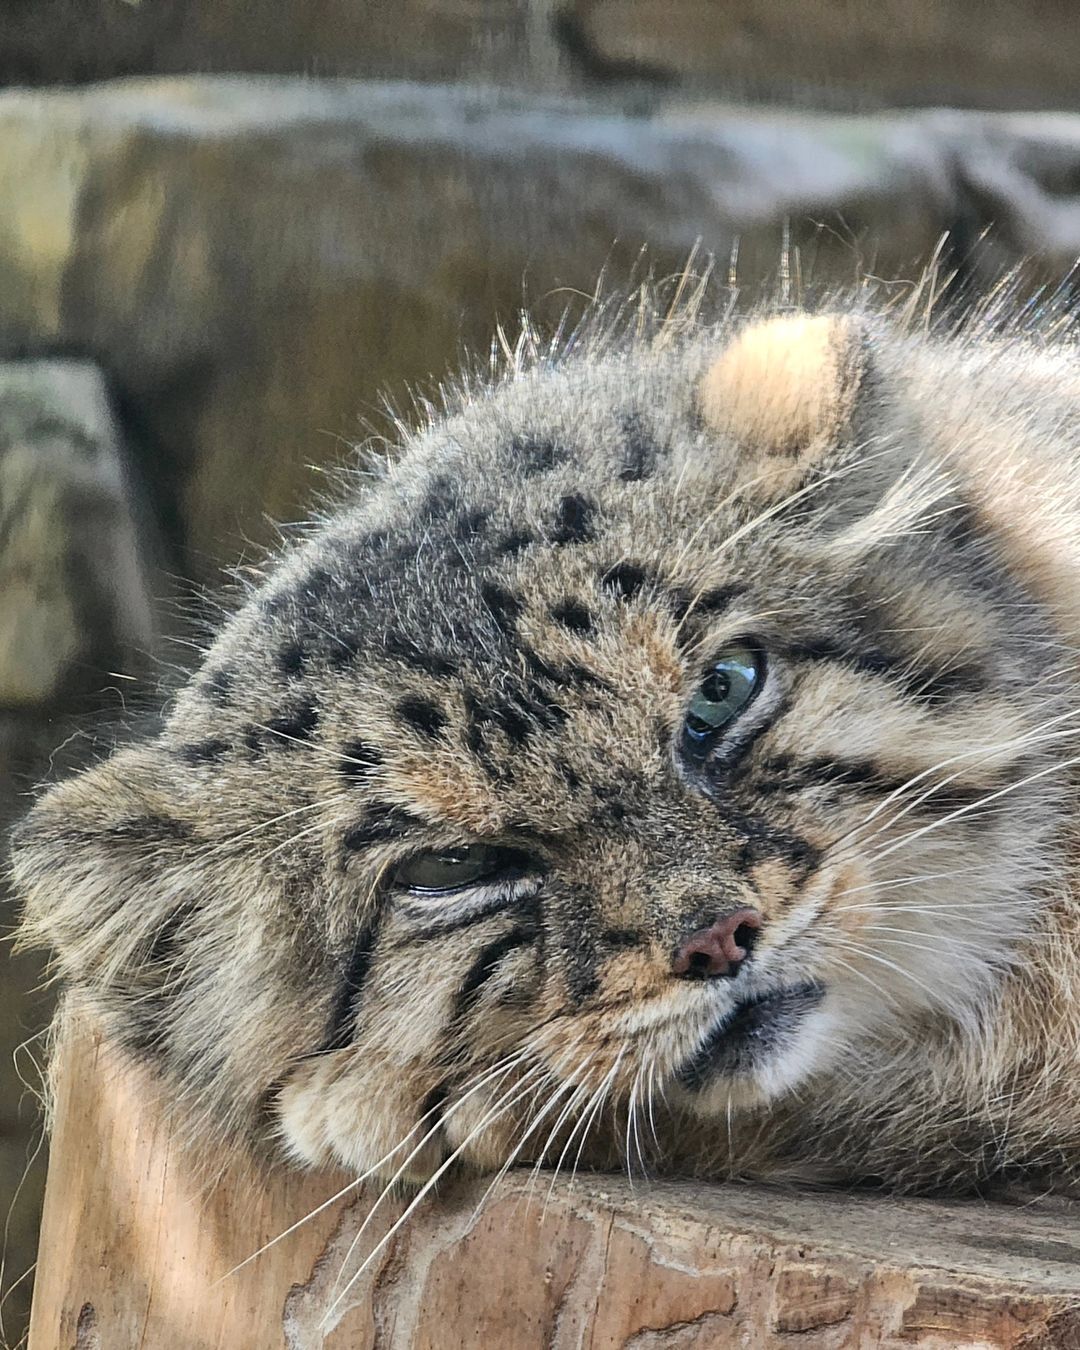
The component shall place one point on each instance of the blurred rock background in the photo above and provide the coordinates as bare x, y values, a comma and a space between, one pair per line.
209, 281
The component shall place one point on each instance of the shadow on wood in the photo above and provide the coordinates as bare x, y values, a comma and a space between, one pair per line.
133, 1256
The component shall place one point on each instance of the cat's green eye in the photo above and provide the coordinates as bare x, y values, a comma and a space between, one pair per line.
726, 691
453, 869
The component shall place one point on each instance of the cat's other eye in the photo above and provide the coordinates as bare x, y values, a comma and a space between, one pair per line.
727, 689
443, 871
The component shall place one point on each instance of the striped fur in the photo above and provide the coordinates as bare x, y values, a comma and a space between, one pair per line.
497, 642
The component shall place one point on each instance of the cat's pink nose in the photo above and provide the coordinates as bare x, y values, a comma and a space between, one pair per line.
719, 949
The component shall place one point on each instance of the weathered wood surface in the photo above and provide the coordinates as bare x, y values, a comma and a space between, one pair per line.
132, 1257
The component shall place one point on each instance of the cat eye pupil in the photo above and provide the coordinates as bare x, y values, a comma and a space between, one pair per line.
443, 871
716, 687
725, 691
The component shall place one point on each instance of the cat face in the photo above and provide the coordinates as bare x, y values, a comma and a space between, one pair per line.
661, 730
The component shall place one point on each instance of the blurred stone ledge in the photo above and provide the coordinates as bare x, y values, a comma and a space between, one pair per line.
860, 53
133, 1254
254, 262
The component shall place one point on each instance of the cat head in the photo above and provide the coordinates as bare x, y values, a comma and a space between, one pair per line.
663, 722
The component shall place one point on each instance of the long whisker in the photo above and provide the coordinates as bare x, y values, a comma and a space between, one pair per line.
567, 1086
358, 1181
495, 1113
574, 1103
983, 801
444, 1115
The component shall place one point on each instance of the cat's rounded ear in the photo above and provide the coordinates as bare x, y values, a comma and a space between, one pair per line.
100, 864
787, 391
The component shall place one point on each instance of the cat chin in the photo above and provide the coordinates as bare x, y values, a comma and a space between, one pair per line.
807, 1048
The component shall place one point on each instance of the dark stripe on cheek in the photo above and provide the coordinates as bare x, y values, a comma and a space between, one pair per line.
918, 681
784, 774
867, 661
218, 685
763, 842
166, 943
339, 1032
491, 957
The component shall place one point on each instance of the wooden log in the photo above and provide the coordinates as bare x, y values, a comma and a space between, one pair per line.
134, 1258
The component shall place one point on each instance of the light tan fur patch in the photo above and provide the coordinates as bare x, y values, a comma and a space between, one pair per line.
786, 383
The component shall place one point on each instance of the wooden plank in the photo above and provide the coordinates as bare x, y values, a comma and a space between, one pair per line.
133, 1257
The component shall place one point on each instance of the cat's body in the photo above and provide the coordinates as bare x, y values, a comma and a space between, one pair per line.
671, 753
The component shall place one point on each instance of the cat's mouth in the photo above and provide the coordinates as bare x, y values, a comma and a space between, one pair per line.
755, 1030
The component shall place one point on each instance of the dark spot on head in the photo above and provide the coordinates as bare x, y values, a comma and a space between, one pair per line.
475, 720
150, 829
512, 721
573, 615
517, 721
203, 752
573, 520
422, 715
613, 804
404, 649
343, 650
625, 578
714, 600
718, 598
568, 774
505, 607
537, 454
291, 658
217, 685
639, 453
469, 524
358, 759
318, 585
295, 725
438, 500
563, 677
513, 543
382, 821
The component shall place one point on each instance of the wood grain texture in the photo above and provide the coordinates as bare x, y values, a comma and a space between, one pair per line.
133, 1258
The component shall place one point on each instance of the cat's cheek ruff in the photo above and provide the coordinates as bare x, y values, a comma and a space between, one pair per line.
337, 1110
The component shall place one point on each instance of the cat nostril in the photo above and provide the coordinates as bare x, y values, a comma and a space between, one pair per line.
718, 950
745, 936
